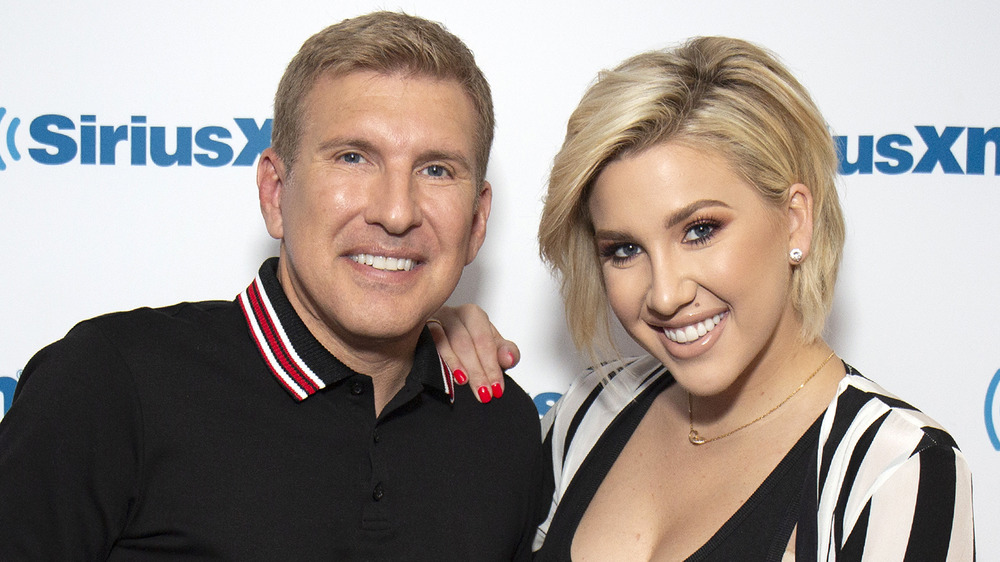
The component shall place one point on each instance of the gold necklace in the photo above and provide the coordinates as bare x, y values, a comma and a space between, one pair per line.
696, 439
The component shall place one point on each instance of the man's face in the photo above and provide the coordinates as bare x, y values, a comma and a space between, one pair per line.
381, 211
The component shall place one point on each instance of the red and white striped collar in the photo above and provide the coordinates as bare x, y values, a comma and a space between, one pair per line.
298, 361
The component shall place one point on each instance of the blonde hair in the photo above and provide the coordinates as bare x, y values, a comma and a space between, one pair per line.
719, 94
387, 43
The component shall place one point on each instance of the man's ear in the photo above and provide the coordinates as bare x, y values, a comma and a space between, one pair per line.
800, 218
484, 200
270, 188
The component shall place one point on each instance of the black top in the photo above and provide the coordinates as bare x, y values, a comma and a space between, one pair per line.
759, 530
165, 434
875, 478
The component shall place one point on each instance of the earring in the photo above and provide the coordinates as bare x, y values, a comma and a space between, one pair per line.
795, 255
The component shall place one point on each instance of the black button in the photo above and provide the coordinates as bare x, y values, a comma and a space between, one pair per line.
377, 493
377, 436
357, 388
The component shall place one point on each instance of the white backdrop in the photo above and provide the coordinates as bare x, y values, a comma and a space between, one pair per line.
916, 308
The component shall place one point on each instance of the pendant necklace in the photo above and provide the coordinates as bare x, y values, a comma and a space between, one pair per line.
697, 439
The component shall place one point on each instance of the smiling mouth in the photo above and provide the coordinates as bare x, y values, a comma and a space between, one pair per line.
384, 263
694, 332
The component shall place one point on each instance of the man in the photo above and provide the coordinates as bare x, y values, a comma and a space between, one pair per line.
311, 418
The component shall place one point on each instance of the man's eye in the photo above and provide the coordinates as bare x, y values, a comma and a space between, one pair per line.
352, 158
436, 171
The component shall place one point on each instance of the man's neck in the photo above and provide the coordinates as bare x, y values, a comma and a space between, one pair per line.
388, 370
388, 363
387, 360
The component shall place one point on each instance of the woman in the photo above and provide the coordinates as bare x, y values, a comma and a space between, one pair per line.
695, 196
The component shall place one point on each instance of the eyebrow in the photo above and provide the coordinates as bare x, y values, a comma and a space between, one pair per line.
684, 213
675, 218
338, 143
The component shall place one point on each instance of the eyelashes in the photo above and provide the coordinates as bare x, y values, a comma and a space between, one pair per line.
620, 252
434, 170
701, 231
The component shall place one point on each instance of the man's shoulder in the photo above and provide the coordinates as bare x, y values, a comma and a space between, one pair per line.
515, 411
142, 323
520, 400
151, 344
180, 312
142, 330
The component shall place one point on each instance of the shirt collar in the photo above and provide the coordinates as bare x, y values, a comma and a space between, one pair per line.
296, 358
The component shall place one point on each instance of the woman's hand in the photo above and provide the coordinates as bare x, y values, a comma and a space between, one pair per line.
473, 348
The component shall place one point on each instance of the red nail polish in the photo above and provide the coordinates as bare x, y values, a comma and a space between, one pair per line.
497, 390
510, 357
460, 377
484, 394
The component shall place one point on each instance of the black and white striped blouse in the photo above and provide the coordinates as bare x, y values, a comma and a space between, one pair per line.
890, 483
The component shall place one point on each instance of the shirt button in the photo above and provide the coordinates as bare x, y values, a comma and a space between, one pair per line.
377, 493
357, 388
377, 436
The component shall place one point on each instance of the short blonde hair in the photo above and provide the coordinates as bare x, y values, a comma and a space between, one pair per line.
387, 43
723, 95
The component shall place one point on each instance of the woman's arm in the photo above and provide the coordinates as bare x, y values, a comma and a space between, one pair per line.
922, 510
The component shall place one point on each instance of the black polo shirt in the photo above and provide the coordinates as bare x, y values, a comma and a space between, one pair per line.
225, 431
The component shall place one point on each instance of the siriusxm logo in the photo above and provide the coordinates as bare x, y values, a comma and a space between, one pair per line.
897, 158
992, 411
11, 131
7, 385
545, 401
58, 139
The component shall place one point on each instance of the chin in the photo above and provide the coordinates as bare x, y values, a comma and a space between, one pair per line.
706, 387
385, 331
699, 376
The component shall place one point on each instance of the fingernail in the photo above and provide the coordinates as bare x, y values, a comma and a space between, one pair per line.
484, 394
497, 390
510, 357
460, 377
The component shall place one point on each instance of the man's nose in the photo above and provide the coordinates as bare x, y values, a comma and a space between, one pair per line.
393, 202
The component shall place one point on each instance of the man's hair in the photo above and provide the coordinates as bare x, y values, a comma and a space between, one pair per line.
722, 95
386, 43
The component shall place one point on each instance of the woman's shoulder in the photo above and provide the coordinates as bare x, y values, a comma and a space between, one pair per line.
615, 390
624, 374
612, 385
880, 459
865, 418
596, 398
861, 402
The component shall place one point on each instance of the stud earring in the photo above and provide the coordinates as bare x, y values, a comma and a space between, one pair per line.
795, 255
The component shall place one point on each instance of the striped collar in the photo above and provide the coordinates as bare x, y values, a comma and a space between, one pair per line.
296, 358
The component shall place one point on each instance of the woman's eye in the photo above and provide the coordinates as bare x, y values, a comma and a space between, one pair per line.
700, 232
436, 171
626, 251
352, 158
620, 254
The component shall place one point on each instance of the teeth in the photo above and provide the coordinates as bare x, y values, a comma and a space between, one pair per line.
384, 263
694, 331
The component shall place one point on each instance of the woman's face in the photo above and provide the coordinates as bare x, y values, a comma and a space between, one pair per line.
695, 263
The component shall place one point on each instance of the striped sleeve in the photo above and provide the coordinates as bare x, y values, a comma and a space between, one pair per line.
894, 486
577, 421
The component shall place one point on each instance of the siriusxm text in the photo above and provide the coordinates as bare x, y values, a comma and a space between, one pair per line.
897, 154
63, 141
7, 386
